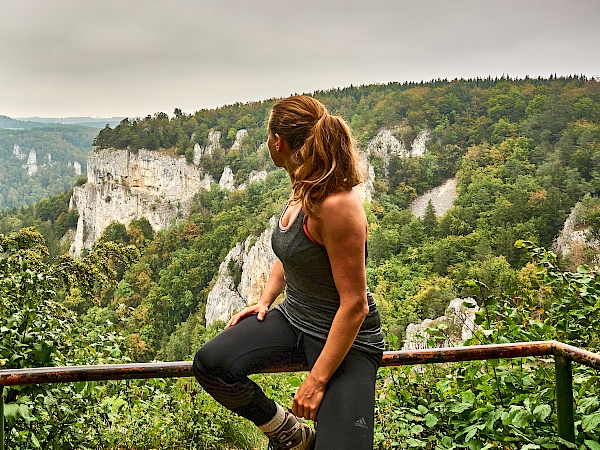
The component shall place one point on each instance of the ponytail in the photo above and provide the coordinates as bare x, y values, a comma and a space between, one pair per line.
323, 158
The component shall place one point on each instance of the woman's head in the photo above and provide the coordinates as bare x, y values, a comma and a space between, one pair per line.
321, 156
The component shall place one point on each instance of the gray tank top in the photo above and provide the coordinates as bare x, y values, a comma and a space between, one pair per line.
311, 298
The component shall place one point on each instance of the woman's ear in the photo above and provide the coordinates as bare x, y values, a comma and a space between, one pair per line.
280, 143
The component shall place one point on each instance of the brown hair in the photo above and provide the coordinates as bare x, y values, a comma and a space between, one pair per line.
323, 159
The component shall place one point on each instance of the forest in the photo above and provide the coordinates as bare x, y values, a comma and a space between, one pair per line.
57, 147
524, 151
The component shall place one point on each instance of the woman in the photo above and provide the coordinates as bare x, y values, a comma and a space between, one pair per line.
328, 320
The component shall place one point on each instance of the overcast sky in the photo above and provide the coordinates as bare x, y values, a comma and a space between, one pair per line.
61, 58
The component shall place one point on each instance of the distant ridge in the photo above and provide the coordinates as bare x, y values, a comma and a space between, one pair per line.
25, 123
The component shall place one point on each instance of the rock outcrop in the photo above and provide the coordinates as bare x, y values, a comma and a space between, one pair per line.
123, 185
575, 232
365, 189
242, 277
458, 319
213, 143
239, 137
226, 181
254, 176
31, 165
386, 145
419, 145
17, 152
76, 167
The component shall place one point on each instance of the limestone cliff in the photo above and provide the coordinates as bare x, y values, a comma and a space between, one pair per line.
123, 185
239, 138
242, 277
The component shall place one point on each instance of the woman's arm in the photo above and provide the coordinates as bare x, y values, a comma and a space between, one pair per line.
274, 287
342, 227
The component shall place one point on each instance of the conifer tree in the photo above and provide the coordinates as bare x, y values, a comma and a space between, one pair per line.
429, 220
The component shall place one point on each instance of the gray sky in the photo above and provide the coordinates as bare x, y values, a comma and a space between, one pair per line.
62, 58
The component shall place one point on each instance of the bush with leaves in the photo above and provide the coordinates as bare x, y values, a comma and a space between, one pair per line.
510, 403
36, 330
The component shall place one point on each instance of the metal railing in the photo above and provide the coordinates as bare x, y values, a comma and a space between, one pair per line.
563, 356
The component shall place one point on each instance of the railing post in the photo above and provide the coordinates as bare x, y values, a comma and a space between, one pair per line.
1, 417
564, 399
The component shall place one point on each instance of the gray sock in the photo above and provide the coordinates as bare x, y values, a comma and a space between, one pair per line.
275, 422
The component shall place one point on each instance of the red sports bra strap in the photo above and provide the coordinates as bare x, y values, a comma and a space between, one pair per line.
307, 233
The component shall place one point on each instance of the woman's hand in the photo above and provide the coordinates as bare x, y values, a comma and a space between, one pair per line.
273, 288
308, 398
258, 310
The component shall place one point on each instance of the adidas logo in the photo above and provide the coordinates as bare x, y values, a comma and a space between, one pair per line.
362, 423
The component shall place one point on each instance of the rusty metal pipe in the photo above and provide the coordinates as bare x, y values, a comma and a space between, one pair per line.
470, 353
66, 374
563, 354
577, 354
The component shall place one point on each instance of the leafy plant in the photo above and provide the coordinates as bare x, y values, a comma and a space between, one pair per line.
501, 403
36, 330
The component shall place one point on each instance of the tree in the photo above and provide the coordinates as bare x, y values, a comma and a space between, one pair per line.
429, 220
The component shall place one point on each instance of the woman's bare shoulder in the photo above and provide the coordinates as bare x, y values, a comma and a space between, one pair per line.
341, 201
342, 212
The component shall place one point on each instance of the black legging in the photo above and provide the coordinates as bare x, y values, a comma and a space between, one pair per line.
345, 416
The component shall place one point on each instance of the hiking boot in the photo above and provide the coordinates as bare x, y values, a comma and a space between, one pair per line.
292, 434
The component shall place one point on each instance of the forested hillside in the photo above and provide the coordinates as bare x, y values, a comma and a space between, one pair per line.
40, 162
524, 152
68, 142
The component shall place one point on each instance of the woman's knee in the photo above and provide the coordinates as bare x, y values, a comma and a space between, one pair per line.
209, 363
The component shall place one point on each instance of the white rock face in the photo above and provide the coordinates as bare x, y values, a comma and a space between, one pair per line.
198, 152
213, 143
419, 145
365, 189
386, 145
31, 165
239, 137
255, 175
124, 185
459, 319
574, 232
442, 198
255, 261
213, 140
77, 168
17, 152
226, 181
